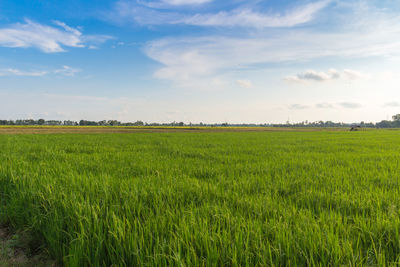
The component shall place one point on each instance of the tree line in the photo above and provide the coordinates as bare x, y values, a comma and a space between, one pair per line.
394, 123
31, 122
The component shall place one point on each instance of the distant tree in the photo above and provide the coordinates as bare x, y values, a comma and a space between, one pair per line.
70, 123
138, 123
396, 117
113, 123
384, 124
53, 122
41, 121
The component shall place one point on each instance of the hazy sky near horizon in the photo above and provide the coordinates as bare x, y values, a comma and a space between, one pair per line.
236, 61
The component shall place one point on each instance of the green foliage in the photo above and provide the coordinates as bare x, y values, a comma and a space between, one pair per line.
396, 117
206, 199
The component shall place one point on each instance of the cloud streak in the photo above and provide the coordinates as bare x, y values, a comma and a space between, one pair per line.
17, 72
332, 74
49, 39
298, 107
186, 2
391, 105
244, 83
198, 59
64, 71
148, 14
67, 71
249, 18
312, 75
346, 105
350, 105
324, 105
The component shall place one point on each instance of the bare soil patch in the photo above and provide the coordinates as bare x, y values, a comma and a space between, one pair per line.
14, 254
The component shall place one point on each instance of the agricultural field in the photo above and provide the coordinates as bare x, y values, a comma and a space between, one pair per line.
204, 198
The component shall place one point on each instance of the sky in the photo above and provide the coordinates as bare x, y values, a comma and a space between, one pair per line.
210, 61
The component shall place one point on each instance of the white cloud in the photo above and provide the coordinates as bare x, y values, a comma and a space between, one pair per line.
199, 63
67, 28
342, 106
158, 4
354, 75
346, 105
95, 40
312, 75
48, 39
193, 58
67, 71
248, 18
298, 106
199, 59
392, 105
332, 74
324, 105
17, 72
148, 14
244, 83
186, 2
350, 105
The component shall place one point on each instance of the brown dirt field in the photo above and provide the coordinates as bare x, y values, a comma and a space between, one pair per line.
13, 255
115, 129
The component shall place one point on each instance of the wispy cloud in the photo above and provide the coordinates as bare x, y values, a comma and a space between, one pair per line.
186, 2
350, 105
298, 106
391, 104
191, 58
67, 28
249, 18
346, 105
320, 76
354, 75
204, 58
244, 83
148, 14
17, 72
65, 71
324, 105
49, 39
164, 4
312, 75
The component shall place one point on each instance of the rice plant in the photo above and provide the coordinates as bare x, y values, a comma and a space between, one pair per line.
206, 198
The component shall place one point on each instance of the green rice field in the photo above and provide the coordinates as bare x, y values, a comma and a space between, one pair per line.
261, 198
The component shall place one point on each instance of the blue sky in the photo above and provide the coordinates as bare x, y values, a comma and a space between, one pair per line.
200, 60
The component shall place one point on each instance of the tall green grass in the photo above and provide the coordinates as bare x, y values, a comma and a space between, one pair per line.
206, 199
